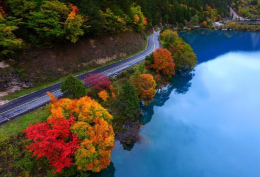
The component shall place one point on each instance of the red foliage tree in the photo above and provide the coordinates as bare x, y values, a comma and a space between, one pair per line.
163, 62
98, 81
54, 140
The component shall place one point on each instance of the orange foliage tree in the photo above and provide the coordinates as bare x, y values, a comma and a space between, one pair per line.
112, 90
148, 85
93, 128
145, 20
103, 95
144, 85
163, 62
136, 19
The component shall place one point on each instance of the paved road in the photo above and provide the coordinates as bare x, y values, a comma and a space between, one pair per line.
30, 102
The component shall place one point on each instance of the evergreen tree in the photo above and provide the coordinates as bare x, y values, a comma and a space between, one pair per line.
74, 86
195, 20
90, 9
130, 103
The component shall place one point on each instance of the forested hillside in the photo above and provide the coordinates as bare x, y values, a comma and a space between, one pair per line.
247, 8
43, 23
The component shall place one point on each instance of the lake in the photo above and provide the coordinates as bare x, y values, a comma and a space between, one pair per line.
204, 124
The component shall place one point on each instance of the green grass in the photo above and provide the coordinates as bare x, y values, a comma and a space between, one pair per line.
21, 123
17, 94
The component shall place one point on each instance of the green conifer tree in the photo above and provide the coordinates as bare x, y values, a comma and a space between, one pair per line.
129, 101
74, 86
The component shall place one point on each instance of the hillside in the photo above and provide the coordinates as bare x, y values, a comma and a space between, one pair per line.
247, 8
26, 24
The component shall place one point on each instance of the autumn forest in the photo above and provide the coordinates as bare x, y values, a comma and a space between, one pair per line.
74, 135
27, 24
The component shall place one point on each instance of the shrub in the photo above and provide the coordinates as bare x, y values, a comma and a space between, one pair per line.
74, 86
97, 81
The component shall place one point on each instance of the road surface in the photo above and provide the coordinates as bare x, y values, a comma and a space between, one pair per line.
32, 101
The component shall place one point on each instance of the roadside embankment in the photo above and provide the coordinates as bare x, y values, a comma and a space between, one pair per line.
39, 67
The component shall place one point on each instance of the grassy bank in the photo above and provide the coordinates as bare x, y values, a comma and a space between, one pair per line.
21, 123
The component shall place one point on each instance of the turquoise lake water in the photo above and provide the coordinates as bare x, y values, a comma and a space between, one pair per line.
206, 124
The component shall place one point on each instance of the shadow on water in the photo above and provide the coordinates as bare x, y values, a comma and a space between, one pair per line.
180, 84
209, 44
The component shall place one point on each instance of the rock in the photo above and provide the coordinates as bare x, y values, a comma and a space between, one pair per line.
10, 80
25, 86
3, 65
30, 84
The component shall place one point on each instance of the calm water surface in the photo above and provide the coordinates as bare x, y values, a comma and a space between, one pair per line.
206, 124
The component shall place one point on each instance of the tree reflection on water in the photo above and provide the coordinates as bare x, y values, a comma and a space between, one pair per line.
180, 84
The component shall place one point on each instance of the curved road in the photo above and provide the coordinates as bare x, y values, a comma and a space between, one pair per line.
30, 102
